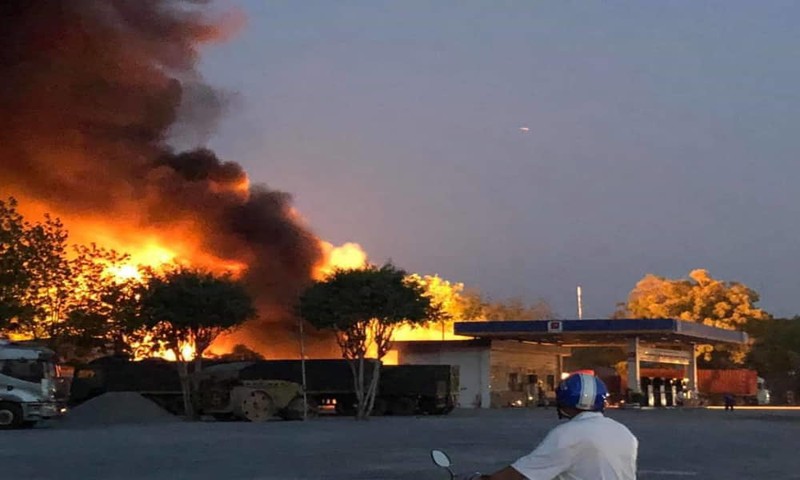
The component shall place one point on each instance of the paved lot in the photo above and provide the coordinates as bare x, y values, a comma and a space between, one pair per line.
674, 445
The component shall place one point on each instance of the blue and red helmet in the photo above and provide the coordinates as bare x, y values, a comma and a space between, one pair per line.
583, 392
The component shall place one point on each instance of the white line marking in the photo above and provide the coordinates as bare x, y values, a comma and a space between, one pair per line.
672, 473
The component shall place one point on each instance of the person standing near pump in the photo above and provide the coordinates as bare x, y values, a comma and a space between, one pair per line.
590, 446
729, 402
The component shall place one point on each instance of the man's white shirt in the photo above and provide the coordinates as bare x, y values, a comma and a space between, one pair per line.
588, 447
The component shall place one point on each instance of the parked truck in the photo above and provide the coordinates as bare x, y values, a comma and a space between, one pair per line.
224, 386
746, 387
28, 381
223, 394
425, 389
402, 389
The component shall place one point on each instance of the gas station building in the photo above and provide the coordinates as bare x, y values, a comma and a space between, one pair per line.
496, 355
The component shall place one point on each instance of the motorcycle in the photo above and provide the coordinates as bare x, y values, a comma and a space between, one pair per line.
442, 460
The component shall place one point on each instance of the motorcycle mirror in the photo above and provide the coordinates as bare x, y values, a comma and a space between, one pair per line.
440, 458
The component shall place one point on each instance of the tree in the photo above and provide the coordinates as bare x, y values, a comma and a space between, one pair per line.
455, 304
14, 279
701, 299
189, 308
48, 293
102, 296
72, 302
363, 307
776, 354
474, 306
516, 309
776, 349
33, 272
445, 297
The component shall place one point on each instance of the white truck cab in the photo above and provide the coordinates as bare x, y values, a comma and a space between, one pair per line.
27, 384
762, 394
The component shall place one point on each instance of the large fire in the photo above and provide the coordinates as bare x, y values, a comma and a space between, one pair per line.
346, 256
92, 93
431, 331
182, 244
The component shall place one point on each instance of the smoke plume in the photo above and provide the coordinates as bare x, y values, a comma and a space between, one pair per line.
89, 93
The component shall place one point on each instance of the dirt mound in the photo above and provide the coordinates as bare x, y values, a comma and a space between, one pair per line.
117, 408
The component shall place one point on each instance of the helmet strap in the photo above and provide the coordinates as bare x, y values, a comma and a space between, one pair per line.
562, 414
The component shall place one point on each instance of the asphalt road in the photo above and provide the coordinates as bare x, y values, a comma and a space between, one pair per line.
691, 444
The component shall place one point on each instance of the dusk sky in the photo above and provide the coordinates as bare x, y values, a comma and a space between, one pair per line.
662, 137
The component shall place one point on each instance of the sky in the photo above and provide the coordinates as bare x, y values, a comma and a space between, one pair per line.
662, 138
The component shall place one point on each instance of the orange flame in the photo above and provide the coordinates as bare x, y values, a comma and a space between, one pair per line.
188, 352
347, 256
179, 243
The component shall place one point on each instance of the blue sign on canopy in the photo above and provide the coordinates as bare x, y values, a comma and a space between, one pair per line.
601, 331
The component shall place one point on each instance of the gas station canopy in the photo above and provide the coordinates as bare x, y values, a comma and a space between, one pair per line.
602, 332
654, 340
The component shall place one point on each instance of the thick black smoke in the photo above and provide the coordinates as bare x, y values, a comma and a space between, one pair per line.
89, 92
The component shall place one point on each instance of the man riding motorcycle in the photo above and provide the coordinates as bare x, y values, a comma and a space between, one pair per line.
590, 446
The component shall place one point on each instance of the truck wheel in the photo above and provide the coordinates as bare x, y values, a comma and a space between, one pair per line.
294, 411
258, 406
10, 416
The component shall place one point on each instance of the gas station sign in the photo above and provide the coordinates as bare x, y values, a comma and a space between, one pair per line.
664, 355
555, 326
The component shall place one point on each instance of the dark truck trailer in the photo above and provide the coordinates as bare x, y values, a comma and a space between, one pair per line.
155, 379
159, 381
402, 389
417, 389
330, 382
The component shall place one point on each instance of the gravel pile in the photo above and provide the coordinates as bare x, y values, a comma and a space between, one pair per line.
116, 408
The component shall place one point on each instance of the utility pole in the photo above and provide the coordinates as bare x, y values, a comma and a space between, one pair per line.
303, 368
580, 304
